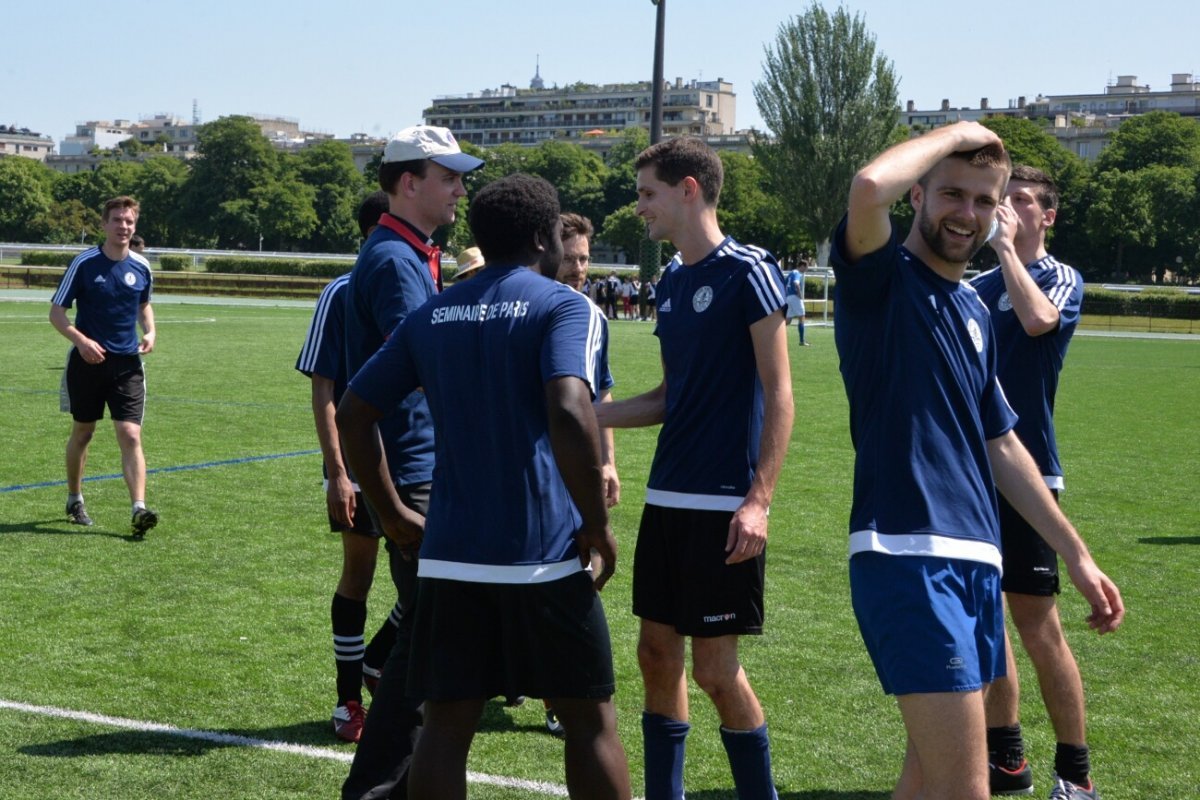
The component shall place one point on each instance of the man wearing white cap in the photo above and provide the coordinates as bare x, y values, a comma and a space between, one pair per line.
397, 270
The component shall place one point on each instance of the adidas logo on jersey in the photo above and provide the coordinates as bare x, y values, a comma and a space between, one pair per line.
99, 279
665, 307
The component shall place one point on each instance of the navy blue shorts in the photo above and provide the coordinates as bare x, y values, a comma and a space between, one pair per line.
930, 624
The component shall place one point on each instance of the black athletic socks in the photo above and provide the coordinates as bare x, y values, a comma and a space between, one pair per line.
1006, 748
349, 617
1071, 762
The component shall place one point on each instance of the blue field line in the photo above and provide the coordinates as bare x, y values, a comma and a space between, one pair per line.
185, 400
157, 470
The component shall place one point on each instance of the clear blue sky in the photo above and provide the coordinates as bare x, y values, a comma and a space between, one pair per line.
375, 68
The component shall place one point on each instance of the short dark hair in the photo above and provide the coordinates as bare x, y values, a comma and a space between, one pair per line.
506, 215
137, 241
390, 173
986, 157
372, 208
1047, 192
683, 157
576, 225
124, 201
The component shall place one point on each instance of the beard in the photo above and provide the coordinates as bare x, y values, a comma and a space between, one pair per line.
954, 251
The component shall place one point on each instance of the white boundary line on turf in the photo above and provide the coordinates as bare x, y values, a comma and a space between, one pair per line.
233, 740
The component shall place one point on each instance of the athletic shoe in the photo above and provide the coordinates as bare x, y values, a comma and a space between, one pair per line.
77, 514
514, 702
371, 678
1065, 790
1009, 782
348, 721
143, 520
553, 725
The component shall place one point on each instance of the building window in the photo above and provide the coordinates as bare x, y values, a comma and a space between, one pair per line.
708, 101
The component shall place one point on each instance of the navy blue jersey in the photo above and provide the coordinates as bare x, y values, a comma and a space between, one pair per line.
389, 281
918, 359
602, 379
324, 351
483, 350
1028, 366
708, 446
110, 296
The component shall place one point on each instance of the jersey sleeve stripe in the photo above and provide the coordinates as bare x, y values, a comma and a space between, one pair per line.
769, 294
60, 296
1064, 283
594, 342
316, 329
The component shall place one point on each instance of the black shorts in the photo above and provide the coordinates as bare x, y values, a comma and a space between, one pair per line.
680, 577
480, 640
118, 382
361, 523
1030, 565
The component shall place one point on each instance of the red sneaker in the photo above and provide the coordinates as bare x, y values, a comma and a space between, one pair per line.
348, 721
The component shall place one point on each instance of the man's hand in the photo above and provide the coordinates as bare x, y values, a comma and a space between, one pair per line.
340, 501
91, 351
147, 343
405, 527
1108, 610
747, 533
1006, 227
605, 544
612, 485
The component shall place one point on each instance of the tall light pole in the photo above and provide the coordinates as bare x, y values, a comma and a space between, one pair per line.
650, 257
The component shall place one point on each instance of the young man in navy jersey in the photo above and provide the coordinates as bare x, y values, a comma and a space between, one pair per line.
506, 603
725, 404
323, 360
112, 286
397, 270
1034, 301
933, 434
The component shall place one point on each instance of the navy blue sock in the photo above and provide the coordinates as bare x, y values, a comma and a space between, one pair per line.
750, 761
663, 740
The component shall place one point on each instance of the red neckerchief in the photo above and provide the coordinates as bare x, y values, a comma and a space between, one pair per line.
431, 253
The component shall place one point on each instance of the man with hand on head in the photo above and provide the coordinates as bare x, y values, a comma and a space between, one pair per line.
933, 437
506, 605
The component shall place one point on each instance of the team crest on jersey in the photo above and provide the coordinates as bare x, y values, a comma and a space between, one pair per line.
130, 279
975, 334
1004, 304
702, 299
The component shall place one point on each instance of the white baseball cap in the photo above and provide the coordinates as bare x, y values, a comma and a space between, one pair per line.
428, 142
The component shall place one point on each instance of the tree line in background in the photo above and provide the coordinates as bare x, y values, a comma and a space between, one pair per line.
829, 102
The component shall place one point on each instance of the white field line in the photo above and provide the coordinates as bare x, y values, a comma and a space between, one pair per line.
233, 740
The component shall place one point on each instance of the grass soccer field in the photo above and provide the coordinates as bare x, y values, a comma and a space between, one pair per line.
161, 668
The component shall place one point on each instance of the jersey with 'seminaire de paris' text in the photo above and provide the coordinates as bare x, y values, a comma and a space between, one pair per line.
110, 296
708, 446
484, 351
918, 358
1029, 366
390, 280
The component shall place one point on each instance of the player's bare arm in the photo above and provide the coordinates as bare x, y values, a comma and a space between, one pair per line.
640, 411
885, 180
575, 440
149, 330
608, 458
357, 424
748, 528
339, 497
1019, 480
91, 351
1035, 311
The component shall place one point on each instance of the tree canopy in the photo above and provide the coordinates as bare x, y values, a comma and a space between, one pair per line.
829, 102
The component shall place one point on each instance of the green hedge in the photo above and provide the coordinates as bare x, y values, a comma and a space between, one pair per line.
46, 258
1170, 303
276, 266
169, 263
